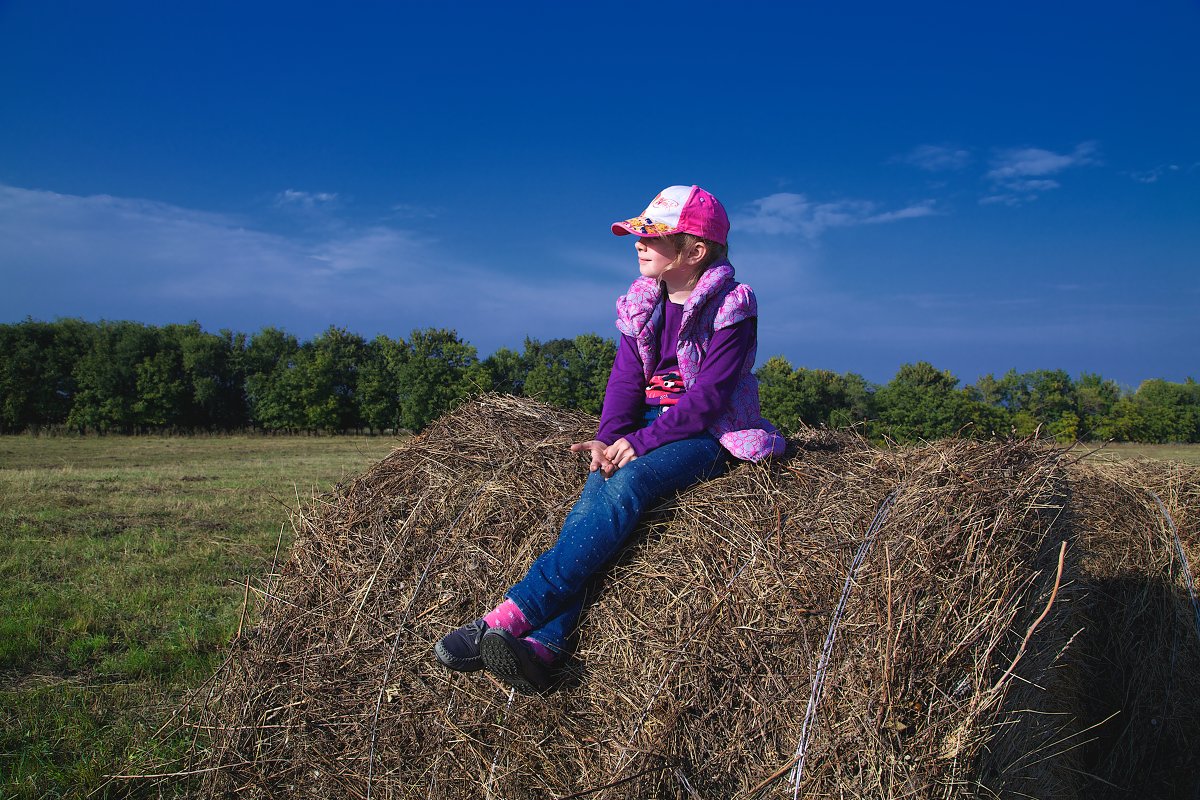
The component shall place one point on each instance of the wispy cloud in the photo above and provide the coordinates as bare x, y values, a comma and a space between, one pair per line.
1153, 175
305, 200
936, 158
790, 213
409, 211
1019, 175
1015, 164
120, 258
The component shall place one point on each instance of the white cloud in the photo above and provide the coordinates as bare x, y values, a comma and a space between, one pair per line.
1019, 175
118, 258
923, 209
1022, 162
790, 213
304, 200
936, 158
409, 211
374, 248
1153, 175
1032, 184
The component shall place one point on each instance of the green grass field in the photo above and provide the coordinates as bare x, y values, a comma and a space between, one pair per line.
1187, 453
122, 569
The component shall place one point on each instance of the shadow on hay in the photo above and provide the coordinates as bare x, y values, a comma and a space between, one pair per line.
1141, 665
1139, 643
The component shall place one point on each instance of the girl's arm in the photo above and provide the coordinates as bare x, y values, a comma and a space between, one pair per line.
625, 396
706, 399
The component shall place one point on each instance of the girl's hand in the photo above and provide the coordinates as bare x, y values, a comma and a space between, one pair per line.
595, 451
619, 453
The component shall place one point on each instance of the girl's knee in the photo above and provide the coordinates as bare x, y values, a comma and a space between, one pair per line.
629, 479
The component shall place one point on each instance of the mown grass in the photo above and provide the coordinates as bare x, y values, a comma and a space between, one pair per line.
1187, 453
122, 561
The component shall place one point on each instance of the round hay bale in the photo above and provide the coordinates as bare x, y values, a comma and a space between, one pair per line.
844, 621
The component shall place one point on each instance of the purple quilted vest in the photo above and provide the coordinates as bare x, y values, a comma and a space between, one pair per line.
717, 302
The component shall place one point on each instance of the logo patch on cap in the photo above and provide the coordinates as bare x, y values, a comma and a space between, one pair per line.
664, 202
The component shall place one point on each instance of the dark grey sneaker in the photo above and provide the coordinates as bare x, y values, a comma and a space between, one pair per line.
512, 661
459, 650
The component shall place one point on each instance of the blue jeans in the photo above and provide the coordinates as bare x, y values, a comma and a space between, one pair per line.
551, 593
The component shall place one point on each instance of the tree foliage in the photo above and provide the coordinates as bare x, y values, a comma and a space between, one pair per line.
791, 397
129, 377
569, 372
438, 370
922, 402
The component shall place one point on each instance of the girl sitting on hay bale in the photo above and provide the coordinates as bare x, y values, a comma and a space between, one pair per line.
680, 401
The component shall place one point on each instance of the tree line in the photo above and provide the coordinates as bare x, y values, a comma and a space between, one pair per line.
128, 377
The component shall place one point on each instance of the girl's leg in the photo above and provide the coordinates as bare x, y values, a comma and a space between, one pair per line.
601, 521
553, 635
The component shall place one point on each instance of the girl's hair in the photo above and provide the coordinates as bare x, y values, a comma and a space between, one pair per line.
683, 242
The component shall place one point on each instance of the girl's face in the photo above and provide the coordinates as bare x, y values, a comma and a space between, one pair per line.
655, 256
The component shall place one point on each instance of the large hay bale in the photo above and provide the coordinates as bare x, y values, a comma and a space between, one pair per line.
947, 644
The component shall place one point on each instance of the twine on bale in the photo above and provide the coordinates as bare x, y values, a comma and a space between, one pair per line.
818, 686
1183, 563
496, 755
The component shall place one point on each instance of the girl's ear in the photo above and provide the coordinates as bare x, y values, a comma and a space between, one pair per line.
697, 255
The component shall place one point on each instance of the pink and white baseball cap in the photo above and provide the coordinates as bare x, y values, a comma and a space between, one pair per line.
679, 209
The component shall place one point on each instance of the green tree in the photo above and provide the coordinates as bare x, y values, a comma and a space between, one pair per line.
1167, 411
273, 381
991, 415
777, 394
328, 370
1045, 394
989, 391
1095, 398
1124, 423
440, 370
212, 366
827, 398
106, 377
378, 394
162, 391
571, 373
790, 397
922, 402
1065, 429
506, 371
37, 363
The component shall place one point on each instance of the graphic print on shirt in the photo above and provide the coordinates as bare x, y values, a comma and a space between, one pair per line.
664, 390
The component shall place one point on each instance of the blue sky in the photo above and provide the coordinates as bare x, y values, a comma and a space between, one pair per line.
982, 186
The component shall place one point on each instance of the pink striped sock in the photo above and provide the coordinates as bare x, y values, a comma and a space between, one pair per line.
508, 616
540, 650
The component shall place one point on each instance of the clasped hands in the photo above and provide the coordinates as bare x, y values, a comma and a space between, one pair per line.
608, 458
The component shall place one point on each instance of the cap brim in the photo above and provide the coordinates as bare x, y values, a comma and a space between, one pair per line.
637, 227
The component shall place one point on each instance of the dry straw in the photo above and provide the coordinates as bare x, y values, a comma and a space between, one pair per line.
1018, 627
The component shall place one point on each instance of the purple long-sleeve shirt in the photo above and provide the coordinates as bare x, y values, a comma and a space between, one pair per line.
625, 403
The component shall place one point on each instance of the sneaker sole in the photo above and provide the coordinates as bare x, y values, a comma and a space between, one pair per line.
505, 664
